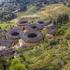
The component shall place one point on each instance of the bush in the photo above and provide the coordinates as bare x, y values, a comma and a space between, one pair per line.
23, 8
53, 42
68, 36
60, 32
63, 18
5, 16
9, 16
17, 65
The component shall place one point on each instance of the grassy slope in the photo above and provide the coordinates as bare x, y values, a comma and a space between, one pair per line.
54, 10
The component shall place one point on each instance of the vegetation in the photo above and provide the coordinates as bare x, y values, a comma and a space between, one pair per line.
17, 65
50, 54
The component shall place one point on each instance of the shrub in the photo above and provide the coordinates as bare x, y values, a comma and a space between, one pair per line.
68, 36
63, 18
53, 42
61, 31
17, 65
9, 16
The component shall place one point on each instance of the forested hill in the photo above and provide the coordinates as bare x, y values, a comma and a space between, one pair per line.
22, 4
33, 2
7, 7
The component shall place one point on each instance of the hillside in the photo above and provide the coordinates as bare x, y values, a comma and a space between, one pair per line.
46, 13
52, 52
9, 8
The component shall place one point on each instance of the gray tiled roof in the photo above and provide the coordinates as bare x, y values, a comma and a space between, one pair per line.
7, 52
6, 42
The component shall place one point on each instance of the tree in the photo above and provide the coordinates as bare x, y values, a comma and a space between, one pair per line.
23, 4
